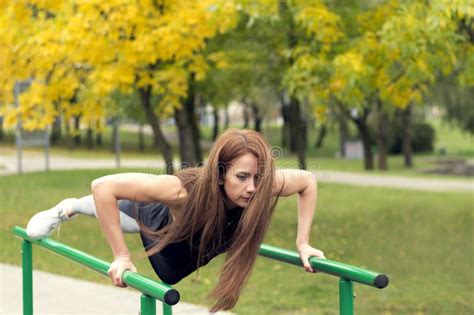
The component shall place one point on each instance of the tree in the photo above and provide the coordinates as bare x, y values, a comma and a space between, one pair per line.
91, 49
250, 72
312, 29
387, 63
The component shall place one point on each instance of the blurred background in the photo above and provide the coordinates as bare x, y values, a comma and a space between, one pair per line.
364, 93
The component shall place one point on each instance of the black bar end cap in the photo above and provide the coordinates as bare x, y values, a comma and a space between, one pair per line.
381, 281
172, 297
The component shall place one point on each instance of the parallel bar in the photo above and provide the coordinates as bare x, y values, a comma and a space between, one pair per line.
27, 269
147, 286
328, 266
346, 297
153, 290
147, 305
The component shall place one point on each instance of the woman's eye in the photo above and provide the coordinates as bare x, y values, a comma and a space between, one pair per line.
241, 177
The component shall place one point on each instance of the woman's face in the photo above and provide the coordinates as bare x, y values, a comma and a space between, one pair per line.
240, 180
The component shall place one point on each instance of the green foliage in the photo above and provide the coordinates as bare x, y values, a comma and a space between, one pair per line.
252, 70
456, 102
423, 138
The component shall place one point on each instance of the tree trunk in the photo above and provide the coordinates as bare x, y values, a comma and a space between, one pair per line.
215, 129
321, 135
226, 117
185, 137
70, 140
364, 134
116, 147
190, 105
297, 125
407, 136
304, 125
159, 139
285, 130
98, 139
90, 138
382, 136
1, 129
257, 117
77, 132
294, 125
299, 132
188, 131
141, 138
246, 115
343, 135
55, 130
367, 144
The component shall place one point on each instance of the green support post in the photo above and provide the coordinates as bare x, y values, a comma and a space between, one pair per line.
346, 297
147, 305
167, 309
27, 269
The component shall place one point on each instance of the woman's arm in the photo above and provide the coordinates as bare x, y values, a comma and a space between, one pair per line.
304, 183
132, 186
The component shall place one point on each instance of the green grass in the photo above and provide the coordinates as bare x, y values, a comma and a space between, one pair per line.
397, 168
456, 141
421, 240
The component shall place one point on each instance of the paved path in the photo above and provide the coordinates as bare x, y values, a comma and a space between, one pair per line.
35, 162
403, 182
55, 294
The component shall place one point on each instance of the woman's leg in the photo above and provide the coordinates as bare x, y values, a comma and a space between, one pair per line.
86, 205
44, 222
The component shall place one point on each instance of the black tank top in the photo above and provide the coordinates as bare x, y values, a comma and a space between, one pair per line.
178, 260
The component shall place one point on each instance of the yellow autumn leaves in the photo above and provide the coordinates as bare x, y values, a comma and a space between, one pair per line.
77, 53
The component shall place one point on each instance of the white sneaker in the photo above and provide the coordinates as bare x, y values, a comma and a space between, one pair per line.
44, 222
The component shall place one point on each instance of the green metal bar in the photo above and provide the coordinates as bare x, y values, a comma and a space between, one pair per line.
147, 305
27, 269
167, 310
146, 285
328, 266
153, 290
346, 297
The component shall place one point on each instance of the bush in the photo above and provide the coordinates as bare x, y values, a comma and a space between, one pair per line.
423, 138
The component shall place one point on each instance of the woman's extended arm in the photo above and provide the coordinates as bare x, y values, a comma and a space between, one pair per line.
132, 186
304, 183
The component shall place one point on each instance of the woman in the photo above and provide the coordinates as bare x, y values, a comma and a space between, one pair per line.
186, 219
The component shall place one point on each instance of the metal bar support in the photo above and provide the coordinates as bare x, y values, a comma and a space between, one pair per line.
147, 305
27, 270
167, 309
346, 297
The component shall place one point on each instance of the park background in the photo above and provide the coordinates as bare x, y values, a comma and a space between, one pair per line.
161, 79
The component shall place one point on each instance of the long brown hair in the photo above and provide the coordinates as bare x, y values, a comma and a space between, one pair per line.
204, 211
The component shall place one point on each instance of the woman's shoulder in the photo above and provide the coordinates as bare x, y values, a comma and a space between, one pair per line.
189, 176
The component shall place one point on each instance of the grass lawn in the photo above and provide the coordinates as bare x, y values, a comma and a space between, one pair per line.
421, 240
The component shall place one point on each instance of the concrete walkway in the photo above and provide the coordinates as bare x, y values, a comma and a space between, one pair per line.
55, 294
403, 182
35, 162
